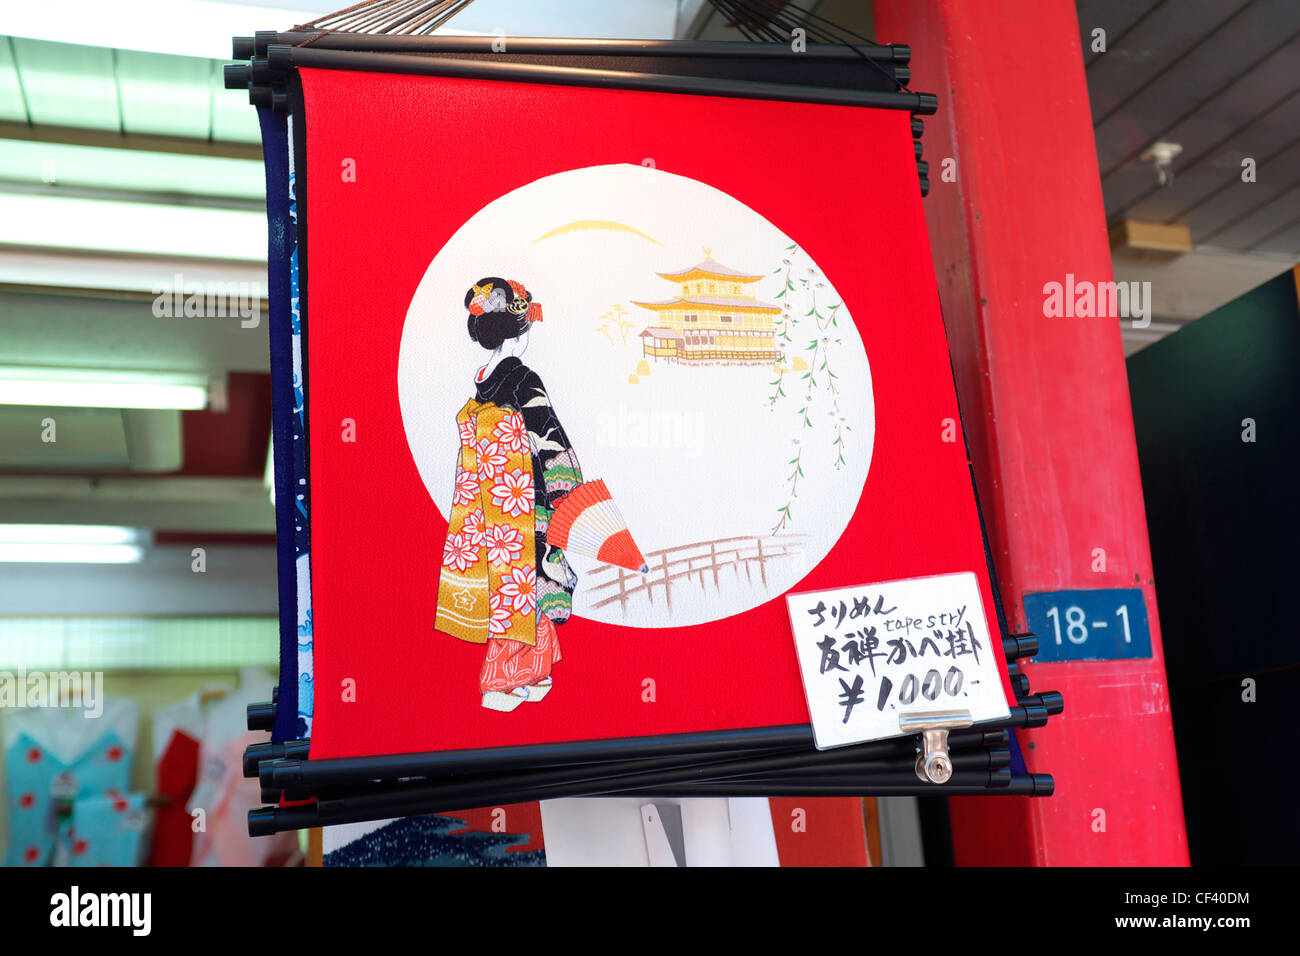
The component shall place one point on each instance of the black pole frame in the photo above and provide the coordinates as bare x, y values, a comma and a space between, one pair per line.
481, 789
281, 58
314, 775
264, 821
245, 48
717, 762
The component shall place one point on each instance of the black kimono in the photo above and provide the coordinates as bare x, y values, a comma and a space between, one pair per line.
514, 385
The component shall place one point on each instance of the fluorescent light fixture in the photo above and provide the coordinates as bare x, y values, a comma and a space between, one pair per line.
102, 388
87, 270
136, 170
70, 553
70, 544
67, 534
105, 225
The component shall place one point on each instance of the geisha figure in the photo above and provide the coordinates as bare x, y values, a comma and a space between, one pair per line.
501, 583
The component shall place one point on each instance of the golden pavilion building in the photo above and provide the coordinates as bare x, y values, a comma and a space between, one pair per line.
713, 321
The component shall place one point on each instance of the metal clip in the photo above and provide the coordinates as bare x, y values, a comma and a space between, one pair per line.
933, 764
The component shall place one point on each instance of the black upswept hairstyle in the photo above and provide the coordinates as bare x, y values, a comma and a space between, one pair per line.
492, 328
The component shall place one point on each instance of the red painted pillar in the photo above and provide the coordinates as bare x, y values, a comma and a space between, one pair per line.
1047, 414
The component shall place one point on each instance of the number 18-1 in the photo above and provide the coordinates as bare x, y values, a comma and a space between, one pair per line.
1076, 625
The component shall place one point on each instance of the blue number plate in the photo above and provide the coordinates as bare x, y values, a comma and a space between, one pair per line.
1106, 624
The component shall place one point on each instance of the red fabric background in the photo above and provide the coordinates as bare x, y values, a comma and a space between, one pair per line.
842, 181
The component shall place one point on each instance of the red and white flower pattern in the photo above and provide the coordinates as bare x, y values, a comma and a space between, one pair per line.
475, 527
499, 614
491, 459
520, 588
493, 520
513, 494
504, 544
466, 487
459, 552
511, 433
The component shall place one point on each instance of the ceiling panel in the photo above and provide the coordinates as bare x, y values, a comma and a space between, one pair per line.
87, 439
12, 106
1231, 204
1211, 63
68, 85
1253, 230
164, 95
1153, 44
99, 333
1287, 239
1268, 138
143, 94
1116, 17
1219, 78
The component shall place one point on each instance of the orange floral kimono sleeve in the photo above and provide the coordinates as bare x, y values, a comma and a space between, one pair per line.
487, 587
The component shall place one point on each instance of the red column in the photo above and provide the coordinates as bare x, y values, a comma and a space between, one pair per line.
1047, 414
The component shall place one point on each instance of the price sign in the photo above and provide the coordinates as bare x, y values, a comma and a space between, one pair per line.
1102, 624
874, 652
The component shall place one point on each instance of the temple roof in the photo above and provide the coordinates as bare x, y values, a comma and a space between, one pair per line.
713, 303
709, 269
661, 333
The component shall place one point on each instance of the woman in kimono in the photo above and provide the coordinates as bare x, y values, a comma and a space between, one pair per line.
501, 583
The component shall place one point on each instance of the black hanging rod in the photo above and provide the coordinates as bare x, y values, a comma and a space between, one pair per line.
314, 774
244, 48
264, 821
414, 797
282, 58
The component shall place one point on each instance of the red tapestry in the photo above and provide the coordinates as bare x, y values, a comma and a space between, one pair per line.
723, 311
